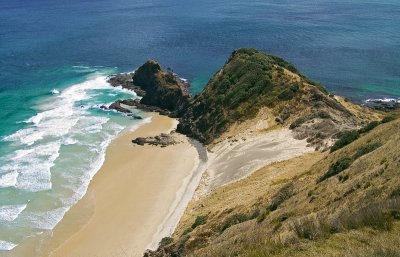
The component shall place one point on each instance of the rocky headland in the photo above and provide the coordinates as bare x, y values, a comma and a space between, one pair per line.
265, 189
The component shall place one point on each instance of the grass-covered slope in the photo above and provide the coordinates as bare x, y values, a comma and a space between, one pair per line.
252, 80
343, 203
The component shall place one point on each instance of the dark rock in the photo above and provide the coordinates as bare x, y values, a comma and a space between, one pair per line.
117, 106
136, 117
383, 104
162, 140
139, 141
124, 80
130, 102
103, 107
163, 89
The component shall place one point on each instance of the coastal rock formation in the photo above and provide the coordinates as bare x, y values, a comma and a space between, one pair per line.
162, 140
385, 104
252, 81
117, 106
163, 89
124, 80
159, 89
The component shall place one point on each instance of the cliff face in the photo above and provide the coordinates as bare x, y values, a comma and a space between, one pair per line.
250, 81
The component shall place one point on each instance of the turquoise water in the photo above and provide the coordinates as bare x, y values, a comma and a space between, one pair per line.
351, 46
47, 164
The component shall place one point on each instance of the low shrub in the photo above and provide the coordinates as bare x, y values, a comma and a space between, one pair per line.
345, 138
234, 219
166, 241
262, 216
366, 149
283, 194
200, 220
343, 178
187, 231
395, 193
336, 168
387, 119
370, 126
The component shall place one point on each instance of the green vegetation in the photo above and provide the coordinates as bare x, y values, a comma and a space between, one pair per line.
238, 218
369, 127
262, 216
395, 193
348, 137
166, 241
187, 231
200, 220
249, 81
233, 220
366, 149
339, 166
345, 162
387, 119
345, 138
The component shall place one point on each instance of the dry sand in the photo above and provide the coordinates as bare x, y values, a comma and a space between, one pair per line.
234, 159
135, 199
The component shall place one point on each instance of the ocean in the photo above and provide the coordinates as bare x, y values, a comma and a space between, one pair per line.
55, 57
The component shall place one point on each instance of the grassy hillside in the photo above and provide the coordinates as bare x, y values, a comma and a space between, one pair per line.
251, 81
340, 203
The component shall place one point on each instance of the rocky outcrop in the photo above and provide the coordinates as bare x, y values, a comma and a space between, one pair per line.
117, 106
163, 89
162, 140
160, 90
124, 80
386, 104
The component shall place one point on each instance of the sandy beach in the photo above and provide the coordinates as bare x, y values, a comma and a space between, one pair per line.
135, 199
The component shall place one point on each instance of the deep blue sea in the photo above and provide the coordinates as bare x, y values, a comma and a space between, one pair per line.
55, 54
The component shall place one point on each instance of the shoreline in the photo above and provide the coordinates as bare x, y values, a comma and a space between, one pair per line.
136, 198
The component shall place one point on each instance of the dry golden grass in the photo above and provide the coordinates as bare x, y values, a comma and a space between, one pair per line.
356, 216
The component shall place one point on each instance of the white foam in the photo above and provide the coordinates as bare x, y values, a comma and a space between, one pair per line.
61, 121
35, 119
21, 153
8, 179
127, 91
383, 100
60, 116
11, 212
55, 91
48, 219
69, 141
34, 169
29, 169
4, 245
